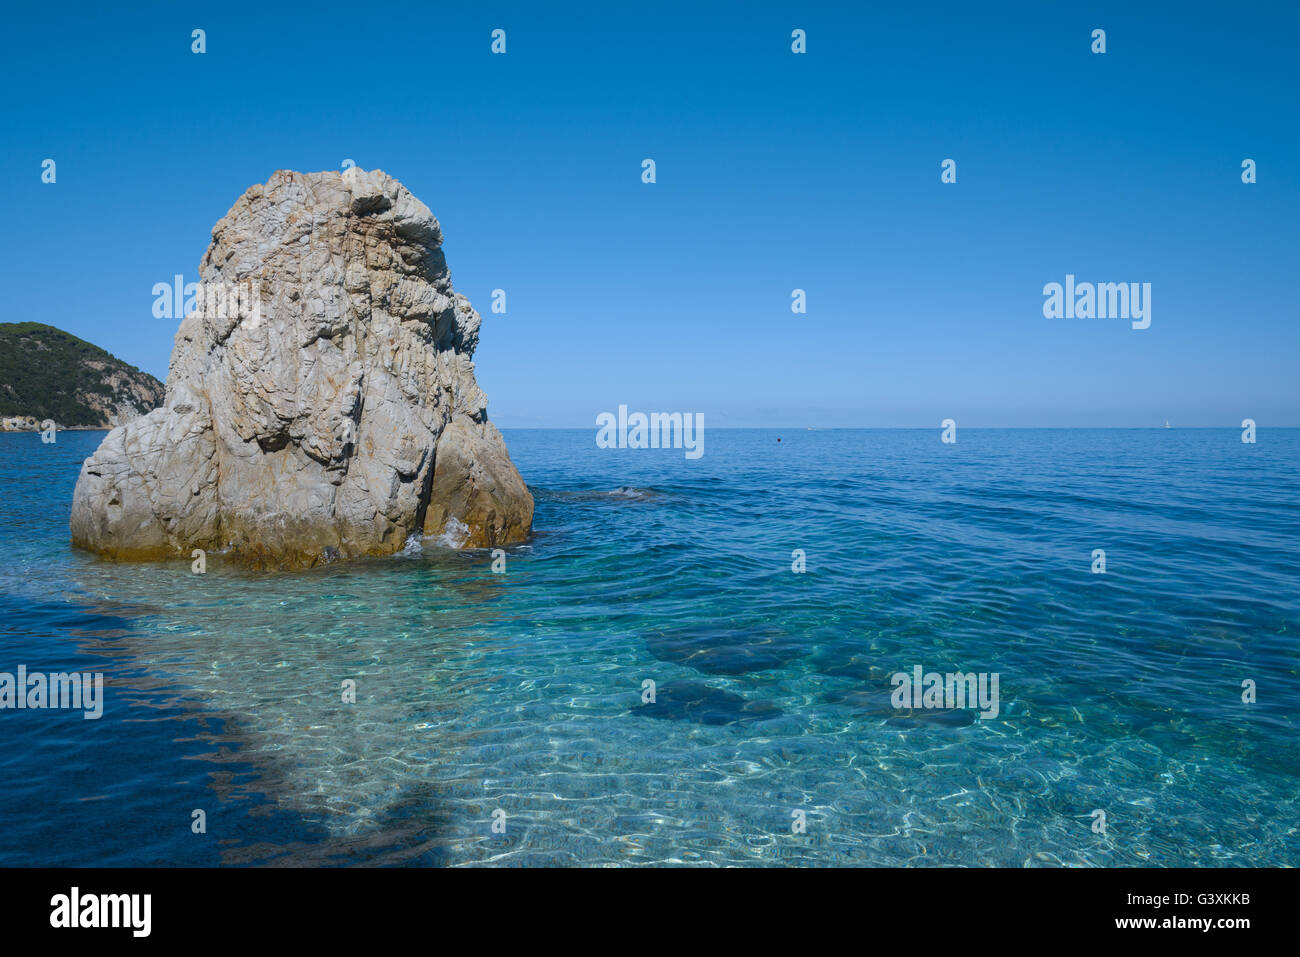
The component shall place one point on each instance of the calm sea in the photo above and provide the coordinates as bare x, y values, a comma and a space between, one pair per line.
520, 698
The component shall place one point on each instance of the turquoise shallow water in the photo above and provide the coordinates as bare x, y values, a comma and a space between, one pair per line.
522, 691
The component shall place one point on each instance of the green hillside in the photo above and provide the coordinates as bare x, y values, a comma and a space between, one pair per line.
50, 374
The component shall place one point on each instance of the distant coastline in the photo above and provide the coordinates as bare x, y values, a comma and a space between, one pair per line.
51, 376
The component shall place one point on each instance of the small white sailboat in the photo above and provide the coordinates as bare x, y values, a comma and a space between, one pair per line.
1167, 424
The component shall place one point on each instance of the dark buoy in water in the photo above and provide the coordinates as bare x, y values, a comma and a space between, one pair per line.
778, 440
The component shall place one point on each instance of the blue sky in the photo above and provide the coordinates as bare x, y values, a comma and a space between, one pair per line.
775, 171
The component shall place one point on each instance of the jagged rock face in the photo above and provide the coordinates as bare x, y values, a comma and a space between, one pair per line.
337, 420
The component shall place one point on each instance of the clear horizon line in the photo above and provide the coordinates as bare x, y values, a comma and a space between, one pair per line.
925, 428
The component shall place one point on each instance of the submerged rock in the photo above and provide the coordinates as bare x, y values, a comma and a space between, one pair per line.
726, 649
321, 400
696, 701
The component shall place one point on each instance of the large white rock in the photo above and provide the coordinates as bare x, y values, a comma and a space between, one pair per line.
339, 421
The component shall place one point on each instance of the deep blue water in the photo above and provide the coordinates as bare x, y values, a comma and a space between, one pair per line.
522, 691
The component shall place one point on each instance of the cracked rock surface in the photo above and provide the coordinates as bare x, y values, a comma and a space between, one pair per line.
322, 405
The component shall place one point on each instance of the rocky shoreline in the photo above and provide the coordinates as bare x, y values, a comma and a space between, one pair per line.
27, 423
49, 375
